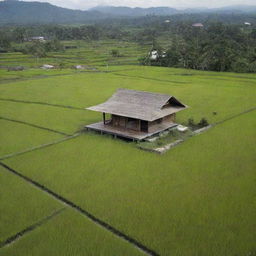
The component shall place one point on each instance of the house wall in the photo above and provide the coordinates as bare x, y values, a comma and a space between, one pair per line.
154, 124
125, 122
118, 121
134, 124
170, 118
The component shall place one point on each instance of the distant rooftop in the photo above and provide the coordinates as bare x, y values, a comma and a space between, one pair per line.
199, 25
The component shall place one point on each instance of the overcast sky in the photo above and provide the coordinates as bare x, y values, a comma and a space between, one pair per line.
86, 4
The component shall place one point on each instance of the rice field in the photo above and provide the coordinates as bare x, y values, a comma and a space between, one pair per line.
94, 195
93, 53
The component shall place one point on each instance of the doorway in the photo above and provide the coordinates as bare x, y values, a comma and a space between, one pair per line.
143, 126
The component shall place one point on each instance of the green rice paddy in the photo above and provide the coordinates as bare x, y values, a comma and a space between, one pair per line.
197, 199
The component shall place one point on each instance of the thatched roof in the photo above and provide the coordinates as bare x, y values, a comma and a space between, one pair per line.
140, 105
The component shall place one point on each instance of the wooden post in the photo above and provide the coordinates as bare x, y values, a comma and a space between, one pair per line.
104, 118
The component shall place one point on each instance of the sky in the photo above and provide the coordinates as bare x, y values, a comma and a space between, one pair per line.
86, 4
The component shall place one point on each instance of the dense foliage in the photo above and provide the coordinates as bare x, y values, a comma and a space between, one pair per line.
217, 47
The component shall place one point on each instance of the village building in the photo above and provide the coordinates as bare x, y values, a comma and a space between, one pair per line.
153, 55
198, 25
37, 39
137, 115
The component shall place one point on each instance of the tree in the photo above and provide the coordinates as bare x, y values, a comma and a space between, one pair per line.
37, 49
5, 43
19, 34
115, 53
53, 45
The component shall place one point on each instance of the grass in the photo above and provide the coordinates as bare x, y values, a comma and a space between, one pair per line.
165, 139
21, 205
226, 98
197, 199
16, 137
188, 198
70, 234
63, 120
94, 53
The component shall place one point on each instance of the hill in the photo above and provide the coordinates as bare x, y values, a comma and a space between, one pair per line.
19, 12
128, 11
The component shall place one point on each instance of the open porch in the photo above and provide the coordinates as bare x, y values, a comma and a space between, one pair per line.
118, 131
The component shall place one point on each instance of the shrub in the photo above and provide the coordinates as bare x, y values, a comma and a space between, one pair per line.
115, 53
191, 122
203, 122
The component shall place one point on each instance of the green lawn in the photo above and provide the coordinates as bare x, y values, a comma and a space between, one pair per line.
186, 202
197, 199
70, 234
16, 137
21, 205
202, 92
64, 120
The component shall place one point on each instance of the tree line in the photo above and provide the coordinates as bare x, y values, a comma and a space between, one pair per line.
217, 47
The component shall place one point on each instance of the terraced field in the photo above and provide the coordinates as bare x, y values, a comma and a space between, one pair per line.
93, 53
94, 195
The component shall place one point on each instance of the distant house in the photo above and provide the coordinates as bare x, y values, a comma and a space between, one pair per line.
167, 21
137, 115
153, 55
247, 23
198, 25
37, 38
164, 54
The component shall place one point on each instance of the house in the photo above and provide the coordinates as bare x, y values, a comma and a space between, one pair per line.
136, 115
37, 39
247, 23
153, 55
198, 25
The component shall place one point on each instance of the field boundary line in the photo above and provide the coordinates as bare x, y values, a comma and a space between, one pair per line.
41, 103
16, 80
39, 147
147, 78
30, 228
33, 125
84, 212
234, 116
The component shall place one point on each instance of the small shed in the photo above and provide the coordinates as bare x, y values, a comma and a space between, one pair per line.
136, 114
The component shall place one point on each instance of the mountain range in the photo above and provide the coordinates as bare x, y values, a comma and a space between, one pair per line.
19, 12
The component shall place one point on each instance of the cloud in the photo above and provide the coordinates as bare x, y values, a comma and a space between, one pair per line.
86, 4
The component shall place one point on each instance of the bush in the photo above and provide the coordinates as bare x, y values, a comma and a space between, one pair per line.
53, 46
36, 49
115, 53
240, 66
191, 122
252, 67
203, 122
